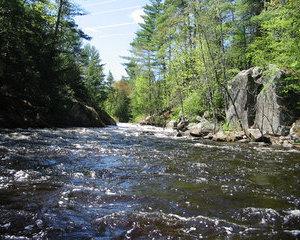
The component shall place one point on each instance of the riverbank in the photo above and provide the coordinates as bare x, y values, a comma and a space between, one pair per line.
208, 130
17, 112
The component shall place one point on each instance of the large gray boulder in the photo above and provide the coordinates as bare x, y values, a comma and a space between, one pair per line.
274, 111
203, 128
260, 101
243, 91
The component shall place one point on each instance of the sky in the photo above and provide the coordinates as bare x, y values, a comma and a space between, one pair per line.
111, 24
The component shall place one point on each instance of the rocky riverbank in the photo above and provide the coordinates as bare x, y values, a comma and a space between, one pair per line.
260, 110
206, 129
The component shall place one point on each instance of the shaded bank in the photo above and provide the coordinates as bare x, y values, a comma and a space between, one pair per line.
16, 112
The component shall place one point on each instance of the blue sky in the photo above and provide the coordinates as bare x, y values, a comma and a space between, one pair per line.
111, 24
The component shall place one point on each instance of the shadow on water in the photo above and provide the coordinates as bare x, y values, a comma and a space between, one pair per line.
132, 182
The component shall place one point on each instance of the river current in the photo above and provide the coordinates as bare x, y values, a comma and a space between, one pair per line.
133, 182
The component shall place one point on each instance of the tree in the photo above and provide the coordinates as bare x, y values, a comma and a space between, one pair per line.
40, 52
118, 102
109, 80
94, 78
280, 38
186, 52
144, 52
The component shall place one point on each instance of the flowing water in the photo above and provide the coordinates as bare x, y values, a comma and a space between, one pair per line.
131, 182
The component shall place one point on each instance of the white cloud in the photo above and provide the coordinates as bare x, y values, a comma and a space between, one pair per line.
137, 15
100, 3
90, 30
114, 25
115, 10
96, 29
113, 35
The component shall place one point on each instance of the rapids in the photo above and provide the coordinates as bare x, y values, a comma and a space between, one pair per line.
133, 182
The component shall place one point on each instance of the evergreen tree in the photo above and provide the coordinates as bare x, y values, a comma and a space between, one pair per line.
94, 78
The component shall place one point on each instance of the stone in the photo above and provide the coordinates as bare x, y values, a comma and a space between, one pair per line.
257, 72
260, 102
19, 113
154, 120
106, 118
243, 91
287, 144
295, 131
81, 115
198, 119
275, 140
209, 136
203, 128
274, 112
220, 137
171, 124
198, 135
206, 115
235, 136
179, 134
243, 141
146, 121
255, 134
182, 125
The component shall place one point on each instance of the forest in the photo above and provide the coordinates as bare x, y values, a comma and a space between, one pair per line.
182, 58
186, 52
48, 76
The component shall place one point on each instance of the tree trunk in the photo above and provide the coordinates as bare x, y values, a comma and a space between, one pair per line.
58, 18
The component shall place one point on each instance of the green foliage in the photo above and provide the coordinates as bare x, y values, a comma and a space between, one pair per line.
118, 101
94, 78
186, 52
280, 39
141, 104
193, 104
41, 57
227, 127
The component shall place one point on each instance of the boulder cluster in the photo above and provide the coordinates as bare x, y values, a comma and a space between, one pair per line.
259, 110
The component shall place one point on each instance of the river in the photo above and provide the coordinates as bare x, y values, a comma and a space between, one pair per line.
132, 182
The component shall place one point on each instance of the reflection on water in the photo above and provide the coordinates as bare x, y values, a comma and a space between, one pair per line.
132, 182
